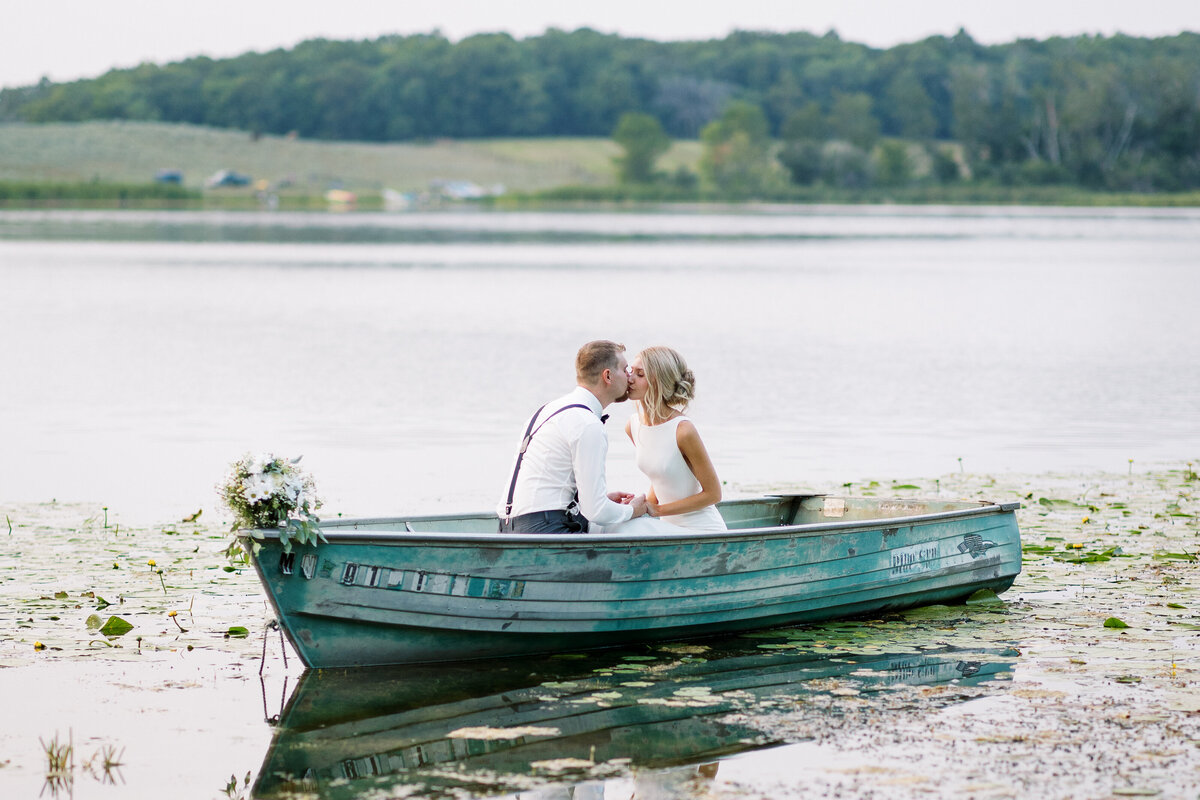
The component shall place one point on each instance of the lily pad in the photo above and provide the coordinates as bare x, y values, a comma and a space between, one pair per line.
984, 596
1090, 557
238, 632
1113, 622
116, 627
931, 612
1050, 502
1164, 556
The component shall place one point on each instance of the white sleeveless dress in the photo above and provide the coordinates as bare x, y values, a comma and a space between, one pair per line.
658, 457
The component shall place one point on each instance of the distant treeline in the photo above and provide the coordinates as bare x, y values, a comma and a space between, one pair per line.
1104, 112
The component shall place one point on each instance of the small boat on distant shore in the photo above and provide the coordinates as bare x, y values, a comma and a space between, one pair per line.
424, 589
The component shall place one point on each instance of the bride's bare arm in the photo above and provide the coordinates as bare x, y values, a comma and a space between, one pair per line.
698, 461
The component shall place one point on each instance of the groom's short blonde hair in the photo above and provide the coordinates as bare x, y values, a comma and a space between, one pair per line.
595, 357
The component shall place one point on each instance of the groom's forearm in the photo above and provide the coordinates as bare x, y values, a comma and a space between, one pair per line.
590, 456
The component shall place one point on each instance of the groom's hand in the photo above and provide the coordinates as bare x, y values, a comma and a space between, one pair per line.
639, 506
620, 497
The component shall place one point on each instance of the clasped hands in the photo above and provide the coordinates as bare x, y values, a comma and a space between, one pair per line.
639, 502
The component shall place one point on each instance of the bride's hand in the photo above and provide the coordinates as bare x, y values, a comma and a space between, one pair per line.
620, 497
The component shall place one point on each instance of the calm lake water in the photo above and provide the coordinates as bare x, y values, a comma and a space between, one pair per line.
401, 354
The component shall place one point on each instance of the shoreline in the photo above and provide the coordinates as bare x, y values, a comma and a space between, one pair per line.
50, 196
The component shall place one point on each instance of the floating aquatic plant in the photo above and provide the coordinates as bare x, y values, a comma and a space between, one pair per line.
1058, 627
1162, 555
116, 626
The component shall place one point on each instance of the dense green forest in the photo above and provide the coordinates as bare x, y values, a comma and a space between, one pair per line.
1119, 113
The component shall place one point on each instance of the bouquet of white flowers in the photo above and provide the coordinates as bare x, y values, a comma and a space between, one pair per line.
266, 492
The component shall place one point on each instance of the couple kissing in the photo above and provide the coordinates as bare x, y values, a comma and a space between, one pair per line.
558, 484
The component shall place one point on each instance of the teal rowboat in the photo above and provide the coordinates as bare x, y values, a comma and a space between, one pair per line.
449, 588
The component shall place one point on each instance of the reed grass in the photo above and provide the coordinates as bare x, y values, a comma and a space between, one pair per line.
60, 761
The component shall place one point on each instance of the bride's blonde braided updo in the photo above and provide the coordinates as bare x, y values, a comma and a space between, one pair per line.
671, 384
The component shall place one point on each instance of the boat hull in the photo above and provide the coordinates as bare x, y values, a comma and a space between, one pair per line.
372, 596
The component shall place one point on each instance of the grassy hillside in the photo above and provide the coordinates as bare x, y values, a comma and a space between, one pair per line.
131, 152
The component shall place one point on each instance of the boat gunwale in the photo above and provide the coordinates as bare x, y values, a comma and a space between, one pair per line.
578, 540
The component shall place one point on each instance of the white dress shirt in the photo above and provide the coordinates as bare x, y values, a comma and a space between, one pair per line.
567, 453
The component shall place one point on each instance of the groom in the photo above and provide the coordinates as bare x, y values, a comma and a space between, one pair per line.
557, 484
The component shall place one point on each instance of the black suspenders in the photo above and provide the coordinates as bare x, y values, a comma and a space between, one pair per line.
530, 432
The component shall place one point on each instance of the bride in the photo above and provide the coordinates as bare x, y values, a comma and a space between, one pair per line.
683, 483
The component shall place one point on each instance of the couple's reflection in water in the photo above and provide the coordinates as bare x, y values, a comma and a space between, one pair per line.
651, 722
650, 784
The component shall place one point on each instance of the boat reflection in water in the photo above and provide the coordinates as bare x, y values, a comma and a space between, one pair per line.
515, 725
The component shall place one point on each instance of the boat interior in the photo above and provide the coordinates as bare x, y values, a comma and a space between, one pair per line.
742, 514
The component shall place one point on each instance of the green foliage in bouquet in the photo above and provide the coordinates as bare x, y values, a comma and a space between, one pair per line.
265, 492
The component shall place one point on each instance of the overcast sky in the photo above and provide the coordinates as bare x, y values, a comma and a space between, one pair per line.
68, 39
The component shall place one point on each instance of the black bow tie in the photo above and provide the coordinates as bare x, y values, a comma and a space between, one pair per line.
603, 418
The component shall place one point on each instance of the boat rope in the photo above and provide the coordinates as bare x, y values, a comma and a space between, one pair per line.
272, 625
